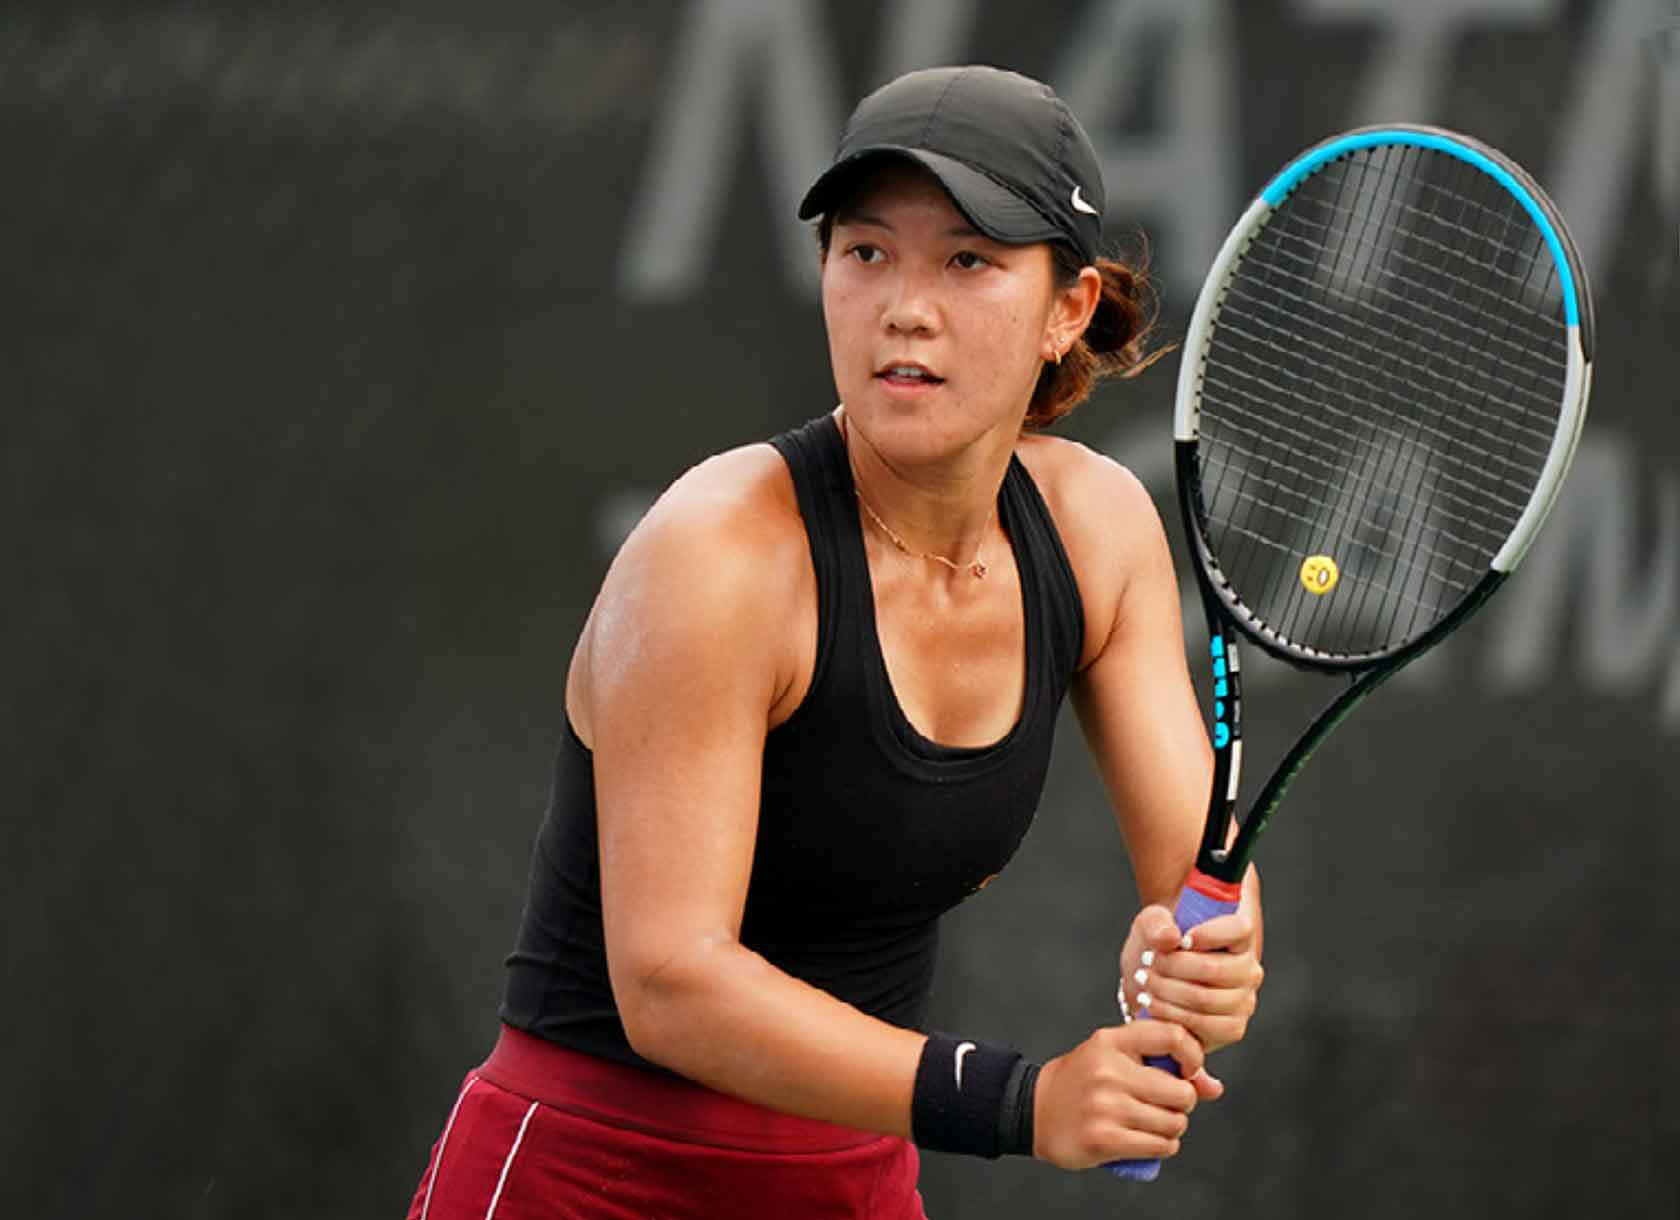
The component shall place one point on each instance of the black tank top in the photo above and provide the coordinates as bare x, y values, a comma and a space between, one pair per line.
867, 831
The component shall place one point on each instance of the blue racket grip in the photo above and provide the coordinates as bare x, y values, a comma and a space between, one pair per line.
1200, 900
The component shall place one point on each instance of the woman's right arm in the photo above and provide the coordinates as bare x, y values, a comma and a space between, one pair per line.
686, 653
690, 651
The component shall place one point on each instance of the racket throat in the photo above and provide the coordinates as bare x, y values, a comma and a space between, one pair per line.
1214, 856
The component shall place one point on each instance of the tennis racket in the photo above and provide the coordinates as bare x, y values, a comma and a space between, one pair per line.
1383, 383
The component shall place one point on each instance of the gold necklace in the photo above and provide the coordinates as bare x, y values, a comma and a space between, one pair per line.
976, 566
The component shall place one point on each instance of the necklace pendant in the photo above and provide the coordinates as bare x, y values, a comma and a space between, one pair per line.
979, 569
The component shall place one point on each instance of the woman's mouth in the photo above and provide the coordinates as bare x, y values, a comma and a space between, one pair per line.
908, 376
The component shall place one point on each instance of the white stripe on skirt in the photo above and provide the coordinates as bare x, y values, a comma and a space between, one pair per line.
508, 1164
437, 1161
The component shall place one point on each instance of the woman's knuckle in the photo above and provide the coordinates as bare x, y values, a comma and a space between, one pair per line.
1092, 1140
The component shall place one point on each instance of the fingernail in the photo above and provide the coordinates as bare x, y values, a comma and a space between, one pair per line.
1185, 943
1149, 957
1143, 999
1142, 977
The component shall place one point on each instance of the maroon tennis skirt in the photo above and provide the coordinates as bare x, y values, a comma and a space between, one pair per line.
540, 1131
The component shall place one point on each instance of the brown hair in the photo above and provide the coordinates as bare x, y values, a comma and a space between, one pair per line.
1113, 345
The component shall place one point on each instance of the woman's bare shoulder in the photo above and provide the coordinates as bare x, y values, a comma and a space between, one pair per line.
1096, 501
714, 575
733, 510
1109, 524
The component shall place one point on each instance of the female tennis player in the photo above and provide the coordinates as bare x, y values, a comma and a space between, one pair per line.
812, 710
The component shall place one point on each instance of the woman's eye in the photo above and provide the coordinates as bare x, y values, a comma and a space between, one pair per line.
968, 260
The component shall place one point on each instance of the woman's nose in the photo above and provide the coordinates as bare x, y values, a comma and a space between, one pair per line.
913, 308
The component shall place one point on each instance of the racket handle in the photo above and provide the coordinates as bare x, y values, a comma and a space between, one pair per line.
1200, 900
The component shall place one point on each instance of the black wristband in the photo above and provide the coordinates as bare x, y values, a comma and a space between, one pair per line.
1015, 1117
968, 1098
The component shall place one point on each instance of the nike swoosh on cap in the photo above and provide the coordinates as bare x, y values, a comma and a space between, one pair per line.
1079, 204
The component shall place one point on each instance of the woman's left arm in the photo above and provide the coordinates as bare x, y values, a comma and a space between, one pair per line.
1140, 716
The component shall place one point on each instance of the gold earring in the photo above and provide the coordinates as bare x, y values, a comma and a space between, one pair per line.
1058, 356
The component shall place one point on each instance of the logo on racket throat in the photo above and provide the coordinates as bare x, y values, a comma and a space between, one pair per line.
1221, 691
1319, 574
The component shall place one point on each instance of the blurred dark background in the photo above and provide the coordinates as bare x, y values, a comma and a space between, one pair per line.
343, 342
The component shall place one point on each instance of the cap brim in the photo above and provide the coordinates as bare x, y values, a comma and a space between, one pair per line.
991, 207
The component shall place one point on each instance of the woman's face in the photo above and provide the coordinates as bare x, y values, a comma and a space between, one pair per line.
936, 333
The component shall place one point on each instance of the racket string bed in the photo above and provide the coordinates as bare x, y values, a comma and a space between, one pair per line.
1264, 494
1285, 232
1526, 255
1510, 423
1306, 516
1246, 396
1275, 578
1294, 262
1429, 442
1369, 342
1377, 583
1380, 459
1305, 350
1461, 194
1295, 507
1325, 343
1283, 496
1259, 427
1294, 552
1393, 459
1326, 190
1461, 497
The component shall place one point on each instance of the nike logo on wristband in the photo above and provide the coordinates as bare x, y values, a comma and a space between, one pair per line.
962, 1049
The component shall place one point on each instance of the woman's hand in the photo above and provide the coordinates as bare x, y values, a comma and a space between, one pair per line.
1100, 1102
1207, 980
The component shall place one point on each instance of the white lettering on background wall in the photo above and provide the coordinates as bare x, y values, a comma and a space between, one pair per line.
1665, 141
779, 54
1618, 574
922, 33
1180, 176
731, 51
1596, 157
1405, 79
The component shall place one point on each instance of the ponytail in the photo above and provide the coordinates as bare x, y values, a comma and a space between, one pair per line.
1113, 345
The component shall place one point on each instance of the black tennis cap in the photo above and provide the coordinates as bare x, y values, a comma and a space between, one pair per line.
1006, 148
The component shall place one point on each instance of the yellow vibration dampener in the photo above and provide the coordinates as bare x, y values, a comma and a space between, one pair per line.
1319, 574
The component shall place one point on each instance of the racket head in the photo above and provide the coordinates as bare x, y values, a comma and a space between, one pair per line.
1383, 384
